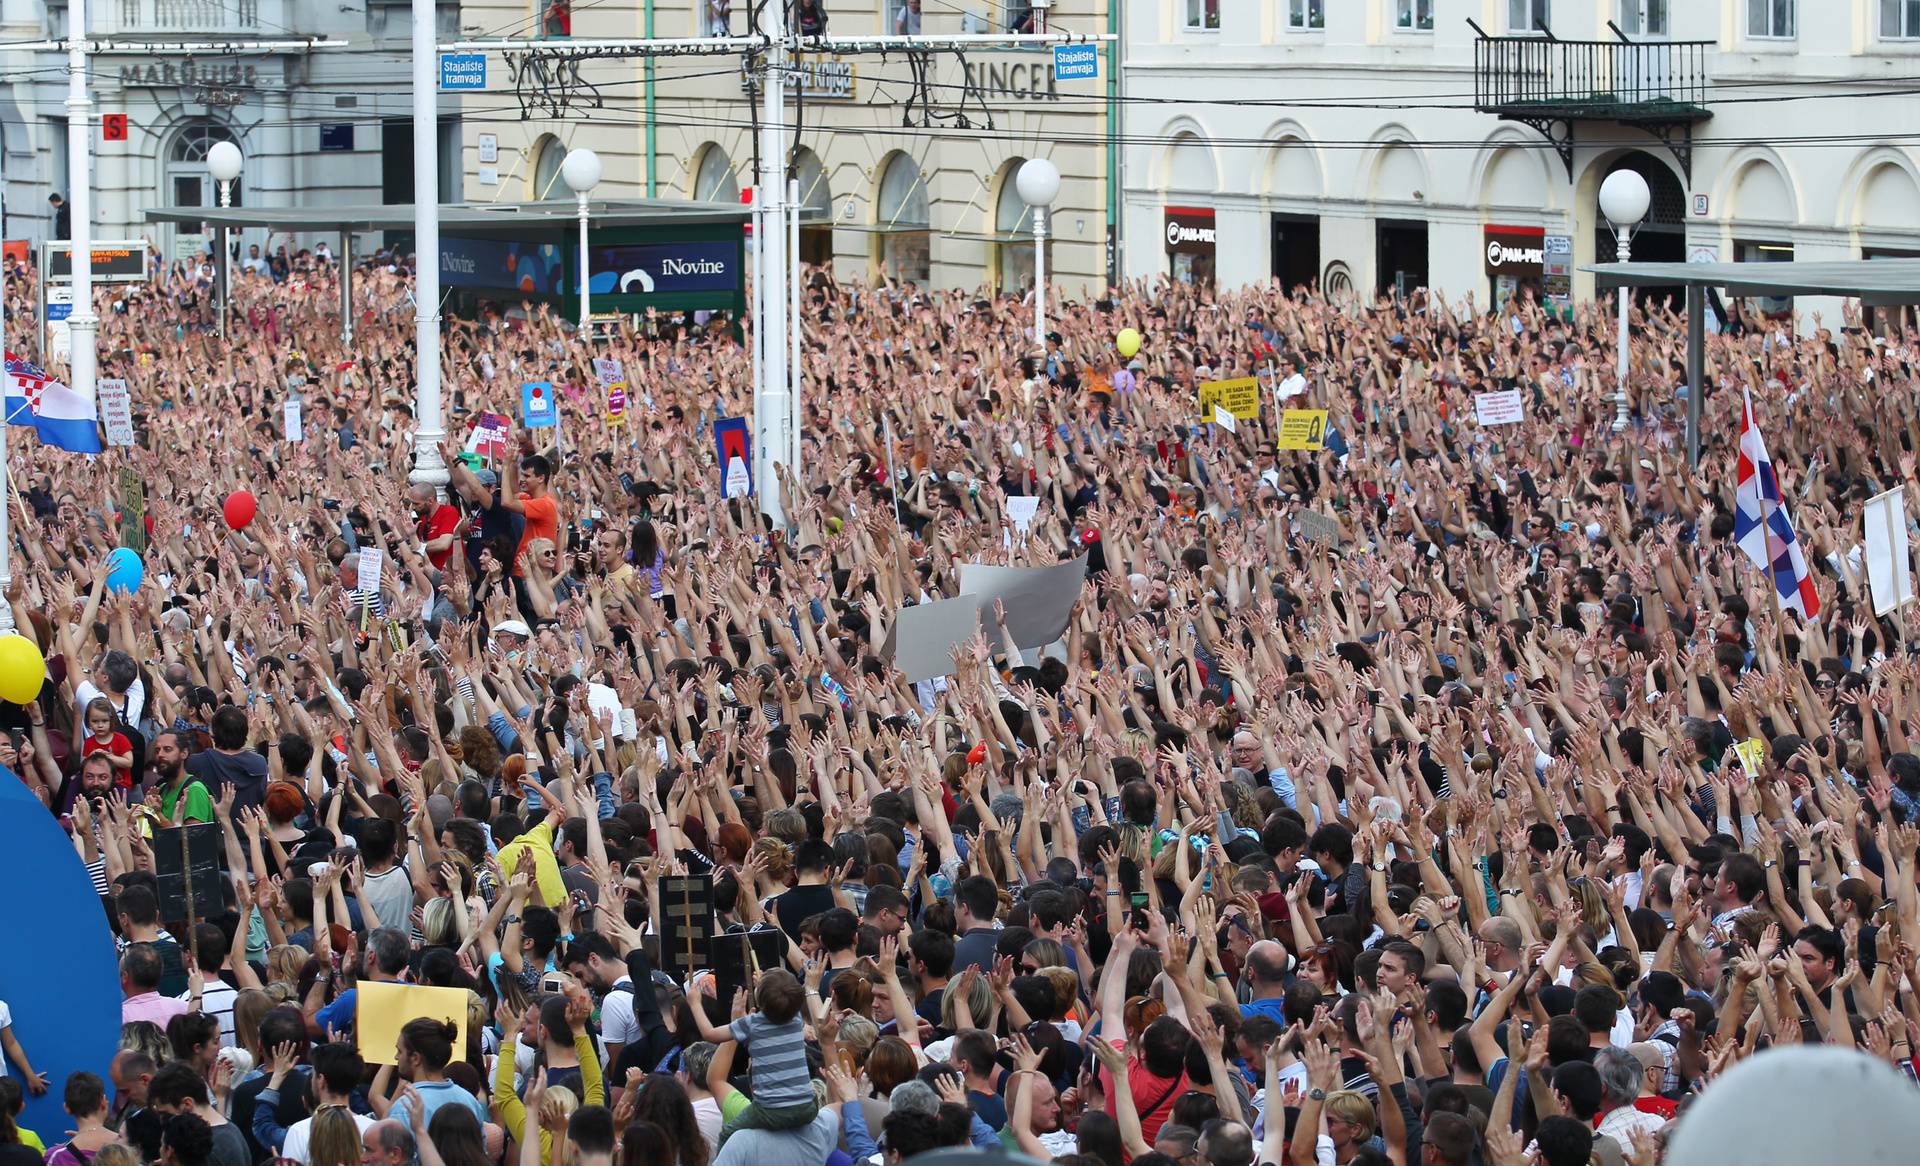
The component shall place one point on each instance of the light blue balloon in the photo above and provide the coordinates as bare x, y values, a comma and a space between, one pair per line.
124, 571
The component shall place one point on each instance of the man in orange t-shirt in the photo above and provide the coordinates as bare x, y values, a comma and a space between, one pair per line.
537, 502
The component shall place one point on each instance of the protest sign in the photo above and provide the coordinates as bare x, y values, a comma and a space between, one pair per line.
1501, 408
1020, 511
538, 409
738, 956
116, 410
187, 858
133, 510
1224, 418
613, 379
733, 449
1240, 396
1888, 573
368, 580
1038, 600
381, 1010
923, 637
686, 934
1318, 528
291, 427
1303, 429
489, 437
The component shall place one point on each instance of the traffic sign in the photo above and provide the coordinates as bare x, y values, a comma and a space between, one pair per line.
463, 71
1076, 62
113, 127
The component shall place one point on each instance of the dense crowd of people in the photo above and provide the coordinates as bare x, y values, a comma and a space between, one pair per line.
1495, 825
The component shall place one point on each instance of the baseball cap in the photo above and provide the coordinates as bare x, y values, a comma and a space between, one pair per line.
512, 627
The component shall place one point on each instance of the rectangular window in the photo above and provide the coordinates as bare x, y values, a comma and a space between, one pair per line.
1413, 15
1644, 17
1203, 15
1306, 14
1899, 19
556, 19
1527, 15
1770, 19
716, 18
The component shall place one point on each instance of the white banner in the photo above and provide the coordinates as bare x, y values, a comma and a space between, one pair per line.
1888, 571
116, 410
1502, 408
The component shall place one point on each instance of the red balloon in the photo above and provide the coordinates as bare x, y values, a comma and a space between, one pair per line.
239, 509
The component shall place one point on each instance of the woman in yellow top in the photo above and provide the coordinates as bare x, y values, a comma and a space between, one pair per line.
507, 1103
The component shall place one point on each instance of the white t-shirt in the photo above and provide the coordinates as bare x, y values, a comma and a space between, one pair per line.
6, 1022
216, 1000
707, 1115
295, 1147
136, 699
617, 1024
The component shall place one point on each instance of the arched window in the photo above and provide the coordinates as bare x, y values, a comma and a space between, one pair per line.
904, 226
713, 179
187, 180
546, 169
816, 231
1013, 233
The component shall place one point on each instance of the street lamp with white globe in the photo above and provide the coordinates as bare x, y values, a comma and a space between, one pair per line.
223, 165
1624, 199
581, 172
1038, 182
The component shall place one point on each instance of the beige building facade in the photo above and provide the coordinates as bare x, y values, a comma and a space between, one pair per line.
907, 164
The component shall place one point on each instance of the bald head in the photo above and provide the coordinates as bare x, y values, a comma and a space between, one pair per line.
1267, 963
1226, 1143
1044, 1104
386, 1143
1504, 942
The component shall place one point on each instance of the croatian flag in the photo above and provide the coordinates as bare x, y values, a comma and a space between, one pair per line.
1761, 525
23, 381
61, 416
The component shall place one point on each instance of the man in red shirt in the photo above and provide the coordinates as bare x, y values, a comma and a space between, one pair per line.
435, 522
537, 503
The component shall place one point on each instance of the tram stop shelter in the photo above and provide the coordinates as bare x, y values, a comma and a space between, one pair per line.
1876, 283
667, 254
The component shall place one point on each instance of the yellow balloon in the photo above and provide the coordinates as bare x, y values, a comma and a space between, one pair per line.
1128, 342
22, 671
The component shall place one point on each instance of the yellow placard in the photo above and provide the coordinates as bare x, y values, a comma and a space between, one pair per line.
382, 1010
1752, 753
1240, 397
1303, 429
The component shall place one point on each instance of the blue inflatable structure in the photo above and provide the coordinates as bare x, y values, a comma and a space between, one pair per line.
60, 978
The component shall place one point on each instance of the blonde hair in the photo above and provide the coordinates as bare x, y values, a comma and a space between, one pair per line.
857, 1034
116, 1154
249, 1006
979, 999
1352, 1107
1593, 905
788, 826
557, 1106
438, 925
334, 1138
778, 857
284, 961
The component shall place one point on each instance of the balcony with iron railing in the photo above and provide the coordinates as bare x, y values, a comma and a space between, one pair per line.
164, 19
1553, 84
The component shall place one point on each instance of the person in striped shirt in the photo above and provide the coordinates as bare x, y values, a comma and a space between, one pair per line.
775, 1038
